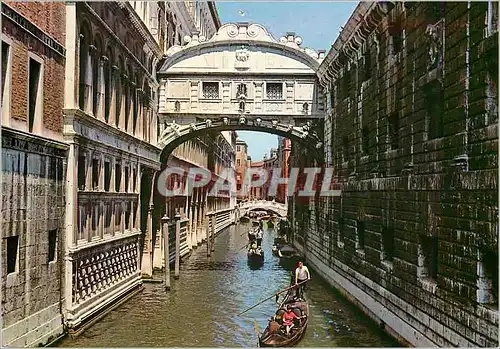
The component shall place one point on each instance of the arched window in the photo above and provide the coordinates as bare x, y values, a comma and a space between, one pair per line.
108, 78
135, 107
242, 106
305, 108
85, 38
96, 56
177, 106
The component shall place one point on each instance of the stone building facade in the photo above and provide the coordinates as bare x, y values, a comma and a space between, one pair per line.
411, 132
284, 149
33, 173
242, 164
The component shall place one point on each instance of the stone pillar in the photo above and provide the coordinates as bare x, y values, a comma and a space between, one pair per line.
177, 245
88, 93
214, 221
123, 86
166, 253
101, 88
114, 95
207, 229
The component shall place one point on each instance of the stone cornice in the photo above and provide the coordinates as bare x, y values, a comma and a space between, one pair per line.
363, 21
141, 28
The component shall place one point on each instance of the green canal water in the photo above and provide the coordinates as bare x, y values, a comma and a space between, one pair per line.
201, 308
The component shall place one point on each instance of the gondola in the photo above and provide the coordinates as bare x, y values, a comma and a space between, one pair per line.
244, 219
279, 338
255, 255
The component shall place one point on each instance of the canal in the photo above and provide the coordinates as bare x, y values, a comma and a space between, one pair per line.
202, 306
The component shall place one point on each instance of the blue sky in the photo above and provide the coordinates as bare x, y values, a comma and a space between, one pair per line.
318, 23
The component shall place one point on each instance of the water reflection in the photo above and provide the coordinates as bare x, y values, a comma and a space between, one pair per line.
201, 308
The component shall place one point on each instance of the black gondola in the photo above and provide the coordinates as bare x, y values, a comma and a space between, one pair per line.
279, 338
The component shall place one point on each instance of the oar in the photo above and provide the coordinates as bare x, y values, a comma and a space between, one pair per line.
243, 247
256, 331
262, 301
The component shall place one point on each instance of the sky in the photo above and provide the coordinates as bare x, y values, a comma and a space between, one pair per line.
318, 23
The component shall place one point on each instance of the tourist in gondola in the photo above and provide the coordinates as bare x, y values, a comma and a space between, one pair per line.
288, 318
301, 275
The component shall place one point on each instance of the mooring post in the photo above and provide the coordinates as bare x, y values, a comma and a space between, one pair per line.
166, 253
177, 244
214, 219
207, 228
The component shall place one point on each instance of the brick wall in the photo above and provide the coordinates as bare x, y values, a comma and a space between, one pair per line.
411, 131
50, 18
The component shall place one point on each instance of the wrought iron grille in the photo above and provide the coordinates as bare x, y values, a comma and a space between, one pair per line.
211, 90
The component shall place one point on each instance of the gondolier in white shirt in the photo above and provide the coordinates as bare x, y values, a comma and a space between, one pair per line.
301, 275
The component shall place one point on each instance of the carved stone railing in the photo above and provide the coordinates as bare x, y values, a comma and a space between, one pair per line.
98, 267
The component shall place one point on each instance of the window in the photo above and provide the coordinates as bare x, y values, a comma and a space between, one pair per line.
488, 276
242, 106
33, 92
238, 148
211, 90
52, 235
434, 102
345, 148
396, 35
332, 96
12, 253
341, 227
134, 179
274, 90
394, 131
387, 244
81, 172
429, 252
5, 65
107, 175
118, 177
126, 179
361, 235
367, 67
242, 90
95, 174
238, 162
365, 141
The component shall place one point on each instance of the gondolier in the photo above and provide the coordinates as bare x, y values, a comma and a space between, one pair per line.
301, 275
259, 237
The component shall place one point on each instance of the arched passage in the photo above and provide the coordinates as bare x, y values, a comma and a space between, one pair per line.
175, 134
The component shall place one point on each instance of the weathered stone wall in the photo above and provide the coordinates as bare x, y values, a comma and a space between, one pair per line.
411, 131
32, 206
33, 176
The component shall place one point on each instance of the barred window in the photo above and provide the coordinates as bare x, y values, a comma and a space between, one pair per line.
274, 90
211, 90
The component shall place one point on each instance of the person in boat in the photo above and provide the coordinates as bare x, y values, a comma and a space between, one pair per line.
301, 275
258, 237
274, 326
288, 318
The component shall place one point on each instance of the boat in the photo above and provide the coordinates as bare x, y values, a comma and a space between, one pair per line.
279, 337
244, 219
255, 255
255, 222
288, 256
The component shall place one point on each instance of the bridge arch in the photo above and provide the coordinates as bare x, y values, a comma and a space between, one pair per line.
176, 134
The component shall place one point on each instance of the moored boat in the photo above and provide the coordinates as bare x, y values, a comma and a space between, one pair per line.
275, 334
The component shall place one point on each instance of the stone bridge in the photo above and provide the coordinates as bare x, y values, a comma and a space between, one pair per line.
264, 205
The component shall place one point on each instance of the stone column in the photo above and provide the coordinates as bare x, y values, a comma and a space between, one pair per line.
88, 89
101, 88
177, 245
101, 203
131, 102
214, 223
166, 252
207, 229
